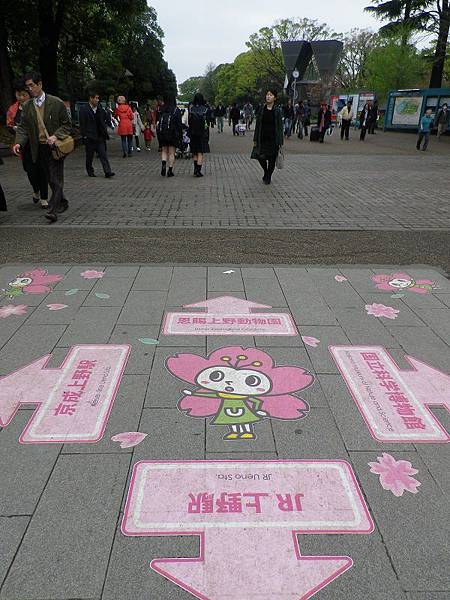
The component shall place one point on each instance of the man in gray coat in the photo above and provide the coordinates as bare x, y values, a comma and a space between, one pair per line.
58, 125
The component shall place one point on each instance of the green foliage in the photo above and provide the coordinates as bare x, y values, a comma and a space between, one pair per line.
393, 65
189, 88
351, 72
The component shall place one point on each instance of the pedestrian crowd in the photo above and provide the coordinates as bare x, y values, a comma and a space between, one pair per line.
43, 131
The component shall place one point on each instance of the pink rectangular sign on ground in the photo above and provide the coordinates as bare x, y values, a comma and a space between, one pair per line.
74, 400
247, 514
228, 316
394, 403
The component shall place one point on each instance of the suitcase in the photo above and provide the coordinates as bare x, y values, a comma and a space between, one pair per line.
314, 134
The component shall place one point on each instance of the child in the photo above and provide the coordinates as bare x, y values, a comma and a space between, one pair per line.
424, 129
148, 135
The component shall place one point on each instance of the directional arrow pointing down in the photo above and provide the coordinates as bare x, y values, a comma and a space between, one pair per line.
252, 563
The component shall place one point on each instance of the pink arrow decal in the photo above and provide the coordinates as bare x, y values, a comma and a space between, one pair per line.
394, 402
228, 316
74, 401
248, 515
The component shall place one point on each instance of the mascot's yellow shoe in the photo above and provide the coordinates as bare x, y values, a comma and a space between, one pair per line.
231, 436
248, 436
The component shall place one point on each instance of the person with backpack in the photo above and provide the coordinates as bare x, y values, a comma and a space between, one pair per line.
268, 138
170, 132
198, 132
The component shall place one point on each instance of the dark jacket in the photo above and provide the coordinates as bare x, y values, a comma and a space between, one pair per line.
221, 111
235, 114
56, 120
364, 115
442, 117
327, 119
93, 126
169, 129
279, 133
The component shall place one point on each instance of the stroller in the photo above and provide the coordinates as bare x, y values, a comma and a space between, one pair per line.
183, 151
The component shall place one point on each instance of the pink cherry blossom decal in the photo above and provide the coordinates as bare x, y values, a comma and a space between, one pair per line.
92, 274
395, 475
310, 341
129, 439
56, 306
340, 278
380, 310
11, 309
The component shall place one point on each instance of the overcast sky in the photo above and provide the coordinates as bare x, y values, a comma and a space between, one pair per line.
197, 33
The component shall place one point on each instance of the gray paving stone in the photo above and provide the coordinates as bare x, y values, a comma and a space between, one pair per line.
266, 291
235, 294
350, 422
74, 280
320, 356
360, 279
428, 595
218, 281
125, 416
214, 342
129, 575
141, 356
188, 291
153, 279
121, 271
420, 554
423, 302
12, 323
371, 576
181, 273
439, 322
25, 468
171, 436
91, 326
424, 345
308, 309
66, 548
116, 288
43, 316
250, 455
27, 344
316, 435
263, 443
281, 341
257, 273
444, 298
437, 458
143, 308
11, 533
164, 389
364, 331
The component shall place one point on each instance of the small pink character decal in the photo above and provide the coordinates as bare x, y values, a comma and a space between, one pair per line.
31, 282
398, 282
239, 387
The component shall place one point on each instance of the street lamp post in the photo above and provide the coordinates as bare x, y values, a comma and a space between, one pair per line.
295, 75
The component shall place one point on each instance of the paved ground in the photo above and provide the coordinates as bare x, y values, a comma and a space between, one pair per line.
61, 505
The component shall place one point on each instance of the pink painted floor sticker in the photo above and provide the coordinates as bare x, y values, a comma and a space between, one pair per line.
247, 514
394, 403
31, 282
240, 387
228, 316
74, 401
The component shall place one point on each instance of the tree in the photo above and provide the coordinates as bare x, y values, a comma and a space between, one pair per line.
266, 44
208, 83
189, 88
393, 66
432, 16
351, 71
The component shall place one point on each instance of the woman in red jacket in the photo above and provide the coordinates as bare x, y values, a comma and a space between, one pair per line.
125, 116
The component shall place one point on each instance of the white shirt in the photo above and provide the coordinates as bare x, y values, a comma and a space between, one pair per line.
93, 108
40, 101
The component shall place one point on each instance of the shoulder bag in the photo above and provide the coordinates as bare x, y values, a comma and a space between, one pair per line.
61, 148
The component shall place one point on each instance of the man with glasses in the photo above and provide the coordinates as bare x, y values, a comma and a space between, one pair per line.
93, 127
44, 114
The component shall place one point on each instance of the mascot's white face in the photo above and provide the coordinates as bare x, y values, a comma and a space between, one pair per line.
245, 382
400, 283
20, 282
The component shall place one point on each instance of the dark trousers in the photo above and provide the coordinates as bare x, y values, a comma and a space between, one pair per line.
345, 129
362, 135
37, 175
55, 175
422, 135
268, 165
99, 147
234, 127
322, 134
3, 206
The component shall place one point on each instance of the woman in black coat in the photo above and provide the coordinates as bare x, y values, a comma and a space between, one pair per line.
323, 121
364, 121
268, 137
199, 132
170, 132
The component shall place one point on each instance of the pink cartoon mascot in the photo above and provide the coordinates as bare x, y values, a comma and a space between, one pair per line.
397, 282
31, 282
239, 387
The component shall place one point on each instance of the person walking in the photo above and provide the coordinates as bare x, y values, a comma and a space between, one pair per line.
268, 137
442, 120
248, 115
35, 171
169, 131
138, 126
44, 121
94, 121
300, 119
235, 115
221, 111
3, 205
198, 132
346, 117
424, 129
288, 116
373, 117
323, 121
124, 114
364, 121
307, 121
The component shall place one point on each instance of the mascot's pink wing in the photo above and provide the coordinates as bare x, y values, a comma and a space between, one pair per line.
199, 406
285, 407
